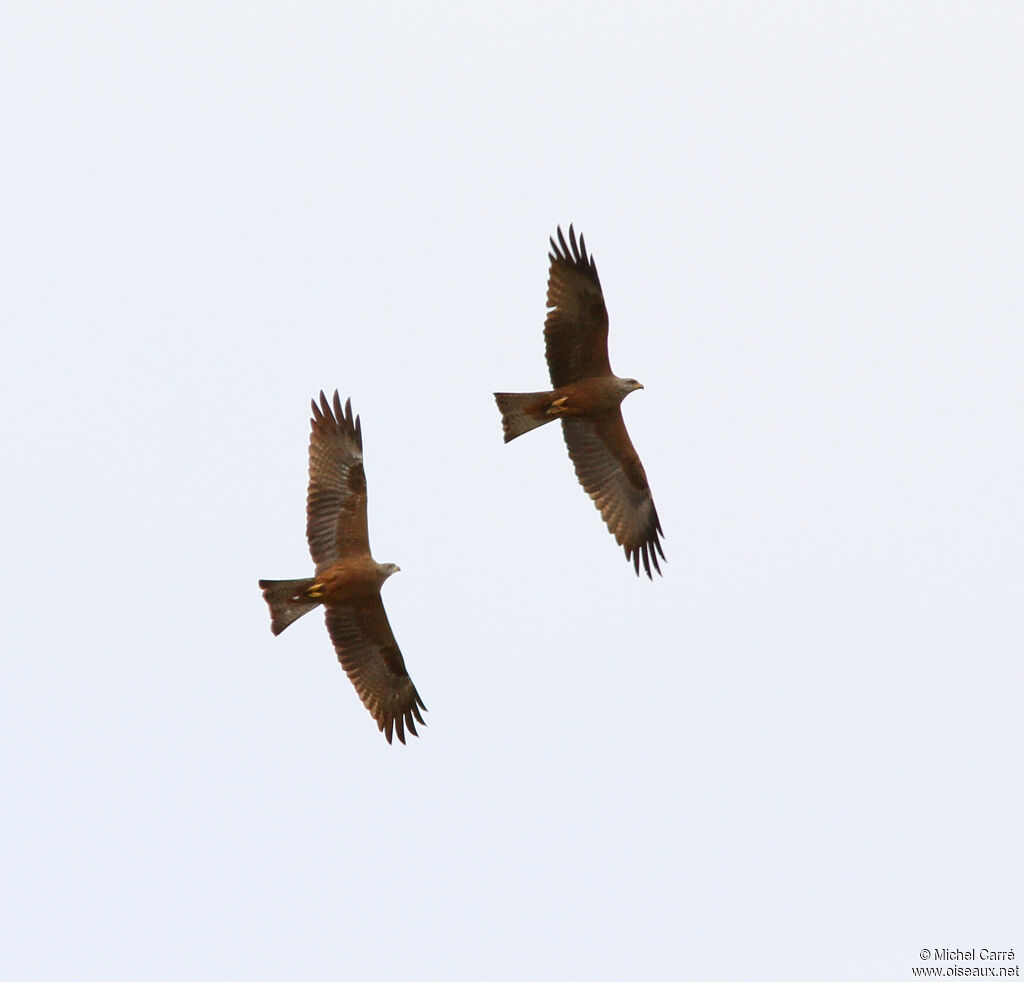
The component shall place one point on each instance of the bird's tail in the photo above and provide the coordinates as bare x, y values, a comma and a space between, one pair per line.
288, 601
523, 411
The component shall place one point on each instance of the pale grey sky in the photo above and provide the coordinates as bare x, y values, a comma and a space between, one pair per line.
797, 756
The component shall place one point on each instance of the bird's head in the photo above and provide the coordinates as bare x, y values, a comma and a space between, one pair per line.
388, 569
629, 385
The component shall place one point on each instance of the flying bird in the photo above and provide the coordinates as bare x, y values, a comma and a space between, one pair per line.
348, 580
586, 397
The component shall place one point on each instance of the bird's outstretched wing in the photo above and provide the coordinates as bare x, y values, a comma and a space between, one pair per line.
576, 328
610, 471
336, 502
369, 654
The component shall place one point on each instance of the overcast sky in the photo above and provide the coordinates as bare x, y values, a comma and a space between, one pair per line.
797, 756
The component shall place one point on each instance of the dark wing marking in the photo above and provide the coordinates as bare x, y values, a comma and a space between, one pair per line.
369, 654
611, 473
576, 328
336, 502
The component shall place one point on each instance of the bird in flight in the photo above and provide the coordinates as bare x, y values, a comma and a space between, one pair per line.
587, 398
348, 580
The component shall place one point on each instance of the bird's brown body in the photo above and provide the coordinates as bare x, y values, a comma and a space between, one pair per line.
591, 397
587, 398
348, 579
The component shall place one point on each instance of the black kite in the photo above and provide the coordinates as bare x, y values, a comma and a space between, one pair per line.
347, 580
586, 398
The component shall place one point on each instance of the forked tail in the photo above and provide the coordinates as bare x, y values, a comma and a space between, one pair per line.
523, 411
287, 600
